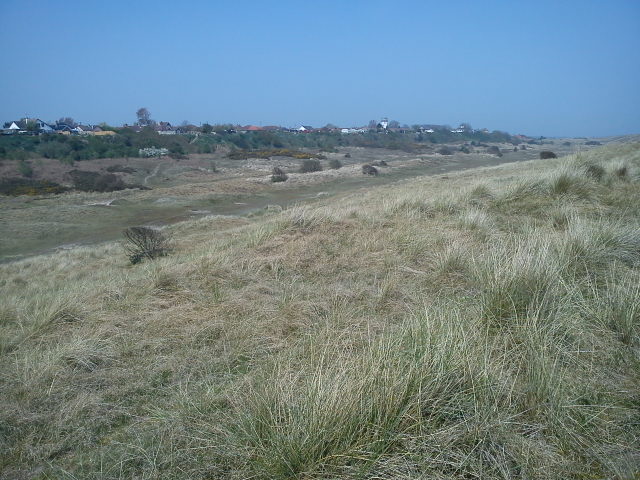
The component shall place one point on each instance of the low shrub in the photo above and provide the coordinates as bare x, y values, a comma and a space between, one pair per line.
347, 155
310, 165
592, 142
369, 170
121, 169
278, 175
24, 186
381, 163
547, 154
277, 152
96, 182
335, 164
444, 151
493, 150
144, 242
25, 169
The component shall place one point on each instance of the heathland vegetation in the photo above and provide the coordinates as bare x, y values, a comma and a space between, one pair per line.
128, 143
482, 324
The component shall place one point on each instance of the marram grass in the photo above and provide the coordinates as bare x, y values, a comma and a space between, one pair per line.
484, 325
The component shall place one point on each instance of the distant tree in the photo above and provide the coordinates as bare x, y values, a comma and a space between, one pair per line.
144, 116
394, 124
31, 126
66, 121
206, 128
330, 126
373, 124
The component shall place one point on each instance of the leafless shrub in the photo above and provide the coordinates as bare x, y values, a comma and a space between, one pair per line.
144, 242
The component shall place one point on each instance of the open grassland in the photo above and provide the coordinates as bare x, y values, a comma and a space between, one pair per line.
479, 325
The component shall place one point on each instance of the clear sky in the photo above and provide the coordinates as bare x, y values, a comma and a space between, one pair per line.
550, 68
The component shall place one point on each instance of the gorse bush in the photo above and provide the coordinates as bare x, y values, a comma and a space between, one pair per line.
24, 186
145, 242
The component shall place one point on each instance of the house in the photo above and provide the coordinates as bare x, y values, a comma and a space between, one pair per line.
29, 125
250, 128
12, 128
304, 128
165, 128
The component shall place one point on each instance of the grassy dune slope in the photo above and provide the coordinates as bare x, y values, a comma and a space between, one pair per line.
479, 325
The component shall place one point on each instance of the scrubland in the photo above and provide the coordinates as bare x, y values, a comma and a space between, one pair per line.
483, 324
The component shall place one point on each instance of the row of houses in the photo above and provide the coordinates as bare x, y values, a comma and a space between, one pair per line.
35, 126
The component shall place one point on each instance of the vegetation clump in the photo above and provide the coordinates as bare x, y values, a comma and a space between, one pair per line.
494, 150
444, 151
278, 175
335, 164
144, 242
369, 170
547, 154
25, 186
120, 169
96, 182
280, 152
310, 165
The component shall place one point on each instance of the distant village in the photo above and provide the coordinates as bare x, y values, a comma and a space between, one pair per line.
66, 126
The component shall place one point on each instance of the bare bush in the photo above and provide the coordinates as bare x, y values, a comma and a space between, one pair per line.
144, 242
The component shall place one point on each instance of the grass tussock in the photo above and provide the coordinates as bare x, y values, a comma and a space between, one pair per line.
488, 327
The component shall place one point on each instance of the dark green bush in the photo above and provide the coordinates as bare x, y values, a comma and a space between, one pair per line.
547, 154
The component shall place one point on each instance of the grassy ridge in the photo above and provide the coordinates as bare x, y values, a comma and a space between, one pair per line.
483, 325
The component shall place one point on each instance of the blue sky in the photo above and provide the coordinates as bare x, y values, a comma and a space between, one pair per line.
540, 67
